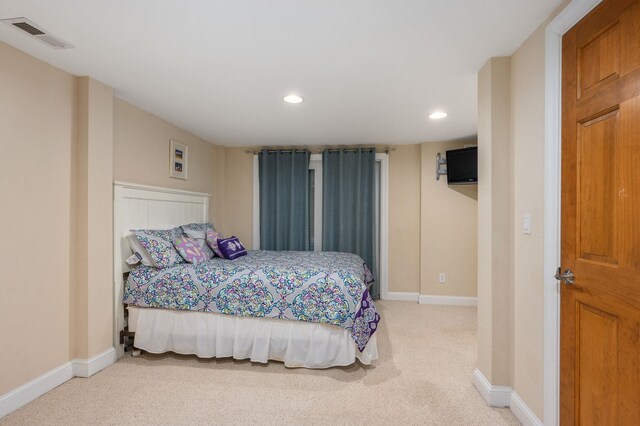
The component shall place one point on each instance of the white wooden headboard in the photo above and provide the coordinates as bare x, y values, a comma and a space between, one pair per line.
146, 207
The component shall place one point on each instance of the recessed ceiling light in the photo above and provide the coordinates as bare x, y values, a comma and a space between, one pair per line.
292, 99
437, 115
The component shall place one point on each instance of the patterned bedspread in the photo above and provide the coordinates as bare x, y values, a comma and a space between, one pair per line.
322, 287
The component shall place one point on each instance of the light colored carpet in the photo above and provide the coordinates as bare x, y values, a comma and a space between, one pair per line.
423, 377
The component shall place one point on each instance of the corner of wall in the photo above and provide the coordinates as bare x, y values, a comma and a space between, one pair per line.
495, 225
73, 218
93, 215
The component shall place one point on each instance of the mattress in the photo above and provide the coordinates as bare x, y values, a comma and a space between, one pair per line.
318, 287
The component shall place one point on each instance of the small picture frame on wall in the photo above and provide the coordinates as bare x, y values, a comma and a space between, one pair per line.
178, 157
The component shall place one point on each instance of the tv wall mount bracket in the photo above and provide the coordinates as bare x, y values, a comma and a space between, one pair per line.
441, 166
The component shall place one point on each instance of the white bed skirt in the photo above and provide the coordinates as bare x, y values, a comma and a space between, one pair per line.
210, 335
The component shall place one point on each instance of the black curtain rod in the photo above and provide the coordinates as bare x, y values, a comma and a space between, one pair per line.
284, 150
386, 151
349, 149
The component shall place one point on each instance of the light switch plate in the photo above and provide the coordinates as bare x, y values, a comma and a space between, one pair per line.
527, 224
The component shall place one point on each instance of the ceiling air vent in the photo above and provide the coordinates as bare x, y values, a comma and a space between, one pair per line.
38, 32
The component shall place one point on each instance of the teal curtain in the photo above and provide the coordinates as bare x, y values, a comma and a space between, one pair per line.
284, 199
348, 204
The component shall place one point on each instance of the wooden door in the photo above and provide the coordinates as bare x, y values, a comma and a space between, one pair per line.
600, 313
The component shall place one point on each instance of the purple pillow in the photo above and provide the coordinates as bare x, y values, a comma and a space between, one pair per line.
198, 231
190, 250
212, 240
231, 248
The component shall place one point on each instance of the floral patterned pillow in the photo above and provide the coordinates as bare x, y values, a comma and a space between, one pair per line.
198, 231
190, 250
212, 240
159, 245
140, 255
231, 248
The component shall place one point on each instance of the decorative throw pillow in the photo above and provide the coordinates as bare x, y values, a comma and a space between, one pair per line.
190, 250
231, 248
139, 253
212, 240
198, 231
159, 245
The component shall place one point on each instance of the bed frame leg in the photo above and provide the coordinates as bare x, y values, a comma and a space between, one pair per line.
126, 338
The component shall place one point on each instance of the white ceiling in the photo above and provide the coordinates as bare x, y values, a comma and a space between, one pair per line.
370, 71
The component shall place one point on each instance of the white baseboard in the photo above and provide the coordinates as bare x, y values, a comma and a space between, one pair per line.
505, 396
428, 299
402, 296
39, 386
89, 367
495, 396
26, 393
522, 411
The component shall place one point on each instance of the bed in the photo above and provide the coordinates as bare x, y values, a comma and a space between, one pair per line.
306, 309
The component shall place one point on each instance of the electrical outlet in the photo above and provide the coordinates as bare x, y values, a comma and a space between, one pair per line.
442, 278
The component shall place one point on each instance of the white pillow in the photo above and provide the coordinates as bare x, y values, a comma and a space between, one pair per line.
138, 251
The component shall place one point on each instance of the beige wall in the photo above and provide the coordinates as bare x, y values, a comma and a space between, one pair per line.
404, 219
67, 139
511, 93
141, 155
93, 284
495, 213
448, 229
238, 206
37, 115
527, 133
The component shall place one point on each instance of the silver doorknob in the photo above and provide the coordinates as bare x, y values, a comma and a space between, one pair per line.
567, 277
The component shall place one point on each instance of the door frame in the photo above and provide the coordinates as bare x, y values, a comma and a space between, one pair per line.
563, 22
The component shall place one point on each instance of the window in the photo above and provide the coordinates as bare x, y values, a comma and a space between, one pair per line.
315, 199
315, 210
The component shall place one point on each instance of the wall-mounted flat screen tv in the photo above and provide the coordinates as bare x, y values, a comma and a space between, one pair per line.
462, 166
